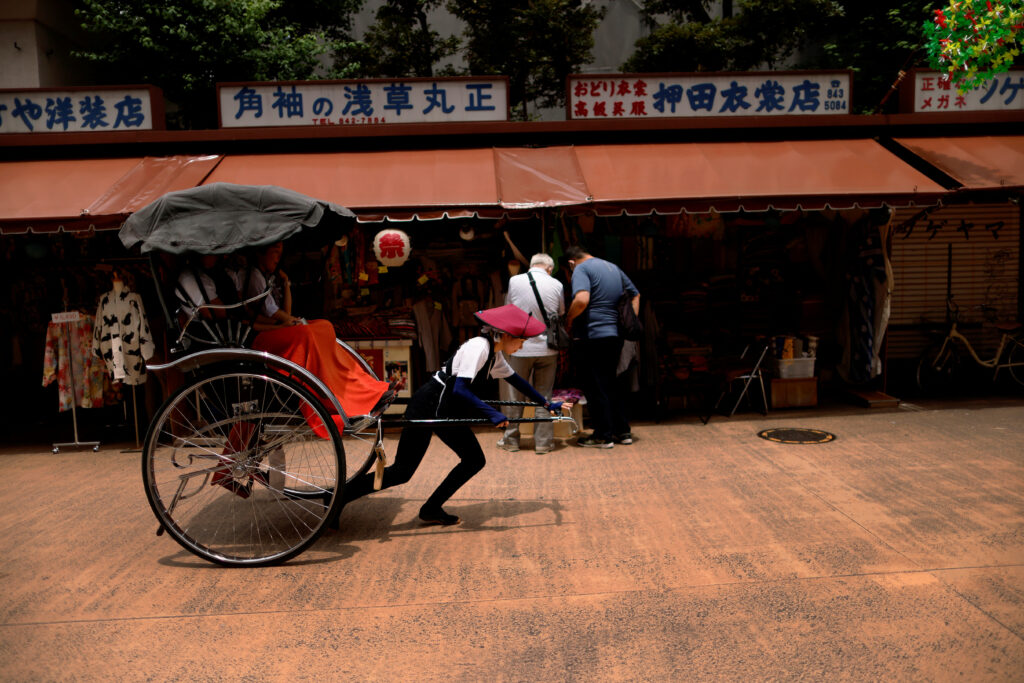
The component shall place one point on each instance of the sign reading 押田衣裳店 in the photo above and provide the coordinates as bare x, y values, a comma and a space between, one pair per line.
80, 110
755, 93
933, 93
375, 101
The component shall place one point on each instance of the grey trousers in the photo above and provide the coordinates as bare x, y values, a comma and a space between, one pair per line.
540, 372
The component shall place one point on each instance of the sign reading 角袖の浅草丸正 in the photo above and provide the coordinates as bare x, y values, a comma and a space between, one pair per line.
361, 102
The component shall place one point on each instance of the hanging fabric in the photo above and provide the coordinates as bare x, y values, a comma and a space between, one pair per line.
68, 358
121, 335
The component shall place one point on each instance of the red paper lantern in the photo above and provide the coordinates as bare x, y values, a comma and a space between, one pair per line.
392, 247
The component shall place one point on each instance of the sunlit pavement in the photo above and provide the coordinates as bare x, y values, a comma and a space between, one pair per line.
895, 552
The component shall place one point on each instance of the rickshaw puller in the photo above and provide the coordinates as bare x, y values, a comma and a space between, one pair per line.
454, 392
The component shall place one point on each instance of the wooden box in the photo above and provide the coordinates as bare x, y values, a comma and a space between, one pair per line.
794, 393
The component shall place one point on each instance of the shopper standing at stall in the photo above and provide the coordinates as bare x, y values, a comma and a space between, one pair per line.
535, 362
593, 319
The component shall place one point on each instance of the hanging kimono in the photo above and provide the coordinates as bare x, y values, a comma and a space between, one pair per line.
69, 359
121, 336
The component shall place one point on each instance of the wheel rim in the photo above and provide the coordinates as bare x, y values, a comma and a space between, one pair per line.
1016, 357
236, 473
935, 370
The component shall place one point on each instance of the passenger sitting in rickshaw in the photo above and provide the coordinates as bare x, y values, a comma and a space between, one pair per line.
310, 344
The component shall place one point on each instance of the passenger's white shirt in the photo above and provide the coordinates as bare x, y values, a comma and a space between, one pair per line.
187, 280
472, 355
520, 294
258, 285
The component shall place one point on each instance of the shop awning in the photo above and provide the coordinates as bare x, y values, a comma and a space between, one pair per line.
401, 185
751, 176
83, 194
977, 163
423, 184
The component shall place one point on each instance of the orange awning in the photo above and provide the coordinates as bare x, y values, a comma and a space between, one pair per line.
429, 184
79, 194
977, 163
608, 179
424, 184
751, 176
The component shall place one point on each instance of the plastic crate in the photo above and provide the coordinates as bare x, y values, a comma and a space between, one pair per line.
793, 368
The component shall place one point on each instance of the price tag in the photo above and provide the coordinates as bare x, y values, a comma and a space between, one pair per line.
382, 268
364, 291
437, 305
422, 279
363, 277
65, 317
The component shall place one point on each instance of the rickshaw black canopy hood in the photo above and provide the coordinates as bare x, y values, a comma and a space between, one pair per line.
220, 218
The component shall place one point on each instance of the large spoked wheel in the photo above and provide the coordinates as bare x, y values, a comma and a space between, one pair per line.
937, 369
1016, 358
236, 472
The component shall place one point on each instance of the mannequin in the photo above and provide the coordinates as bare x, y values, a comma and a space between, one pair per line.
121, 334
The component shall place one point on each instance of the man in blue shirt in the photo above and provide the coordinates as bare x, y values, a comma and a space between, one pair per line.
593, 318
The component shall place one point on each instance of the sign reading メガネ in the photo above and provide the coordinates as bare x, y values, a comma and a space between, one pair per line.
347, 103
79, 110
761, 93
1004, 92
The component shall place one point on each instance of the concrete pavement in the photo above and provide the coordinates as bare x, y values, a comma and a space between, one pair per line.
895, 552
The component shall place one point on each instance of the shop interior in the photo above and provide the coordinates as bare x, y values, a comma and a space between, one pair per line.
712, 286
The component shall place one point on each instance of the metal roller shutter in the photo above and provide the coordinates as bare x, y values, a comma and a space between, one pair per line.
976, 249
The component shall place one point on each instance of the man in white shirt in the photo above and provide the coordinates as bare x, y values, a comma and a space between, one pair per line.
535, 362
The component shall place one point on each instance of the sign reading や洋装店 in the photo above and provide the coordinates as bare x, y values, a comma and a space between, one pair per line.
78, 110
753, 93
1003, 92
360, 102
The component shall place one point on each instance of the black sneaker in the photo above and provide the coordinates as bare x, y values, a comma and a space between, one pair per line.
625, 439
437, 516
593, 442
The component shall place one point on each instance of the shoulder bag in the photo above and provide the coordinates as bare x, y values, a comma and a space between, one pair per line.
558, 335
630, 327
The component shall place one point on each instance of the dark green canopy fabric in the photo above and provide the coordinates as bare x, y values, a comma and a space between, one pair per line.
221, 217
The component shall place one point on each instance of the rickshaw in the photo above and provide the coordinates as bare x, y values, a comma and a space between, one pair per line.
245, 463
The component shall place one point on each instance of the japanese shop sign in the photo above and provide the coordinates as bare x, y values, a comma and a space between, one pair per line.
757, 93
78, 110
349, 103
1004, 92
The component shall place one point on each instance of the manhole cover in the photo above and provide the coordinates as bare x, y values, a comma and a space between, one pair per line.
796, 435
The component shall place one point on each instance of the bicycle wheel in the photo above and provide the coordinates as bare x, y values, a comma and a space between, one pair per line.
1016, 358
235, 472
937, 368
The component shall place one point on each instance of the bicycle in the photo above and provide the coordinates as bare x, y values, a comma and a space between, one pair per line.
939, 364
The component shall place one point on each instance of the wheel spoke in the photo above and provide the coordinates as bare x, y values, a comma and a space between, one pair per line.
274, 481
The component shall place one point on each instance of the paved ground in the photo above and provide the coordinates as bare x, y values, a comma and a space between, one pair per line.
699, 553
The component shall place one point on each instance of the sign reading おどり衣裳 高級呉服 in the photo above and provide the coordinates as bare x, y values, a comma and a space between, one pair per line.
361, 102
754, 93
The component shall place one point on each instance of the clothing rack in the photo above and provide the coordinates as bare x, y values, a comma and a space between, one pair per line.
135, 414
64, 318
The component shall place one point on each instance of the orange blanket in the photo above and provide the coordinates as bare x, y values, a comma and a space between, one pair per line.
314, 347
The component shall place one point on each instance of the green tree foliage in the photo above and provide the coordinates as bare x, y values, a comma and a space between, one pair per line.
536, 43
876, 39
400, 43
186, 46
684, 37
